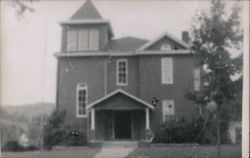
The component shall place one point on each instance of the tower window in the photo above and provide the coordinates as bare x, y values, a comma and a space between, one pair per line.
83, 40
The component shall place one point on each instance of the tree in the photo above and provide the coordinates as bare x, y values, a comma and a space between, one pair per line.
22, 6
214, 36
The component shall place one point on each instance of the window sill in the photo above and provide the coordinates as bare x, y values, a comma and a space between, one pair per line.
81, 116
122, 84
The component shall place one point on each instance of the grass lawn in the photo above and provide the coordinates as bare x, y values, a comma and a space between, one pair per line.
227, 151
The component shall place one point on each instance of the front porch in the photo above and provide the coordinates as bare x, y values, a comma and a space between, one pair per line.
119, 116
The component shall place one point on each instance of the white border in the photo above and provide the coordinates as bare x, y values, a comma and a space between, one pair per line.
245, 89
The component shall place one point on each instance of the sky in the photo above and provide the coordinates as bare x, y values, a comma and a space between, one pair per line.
28, 66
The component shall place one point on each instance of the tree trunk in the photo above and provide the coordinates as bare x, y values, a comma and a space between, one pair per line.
218, 134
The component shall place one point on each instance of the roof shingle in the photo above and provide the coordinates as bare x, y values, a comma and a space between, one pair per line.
125, 44
86, 12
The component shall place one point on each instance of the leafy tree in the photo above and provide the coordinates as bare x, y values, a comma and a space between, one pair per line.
22, 6
216, 34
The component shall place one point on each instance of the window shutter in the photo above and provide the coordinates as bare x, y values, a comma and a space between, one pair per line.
94, 40
83, 40
71, 40
167, 70
197, 81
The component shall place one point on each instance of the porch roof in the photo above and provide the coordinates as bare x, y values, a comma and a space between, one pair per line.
120, 91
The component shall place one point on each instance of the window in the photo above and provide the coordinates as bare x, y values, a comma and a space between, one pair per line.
167, 70
165, 47
197, 79
81, 40
167, 109
93, 39
81, 100
122, 72
71, 40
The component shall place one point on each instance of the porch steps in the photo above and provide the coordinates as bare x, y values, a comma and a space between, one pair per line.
116, 144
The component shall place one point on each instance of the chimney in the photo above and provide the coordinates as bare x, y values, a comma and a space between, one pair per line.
185, 37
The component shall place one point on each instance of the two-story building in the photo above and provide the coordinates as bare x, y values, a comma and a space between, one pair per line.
106, 84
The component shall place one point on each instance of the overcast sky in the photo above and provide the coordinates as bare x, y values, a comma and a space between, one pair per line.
28, 44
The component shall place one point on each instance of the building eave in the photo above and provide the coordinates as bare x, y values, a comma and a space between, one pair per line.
116, 53
167, 52
84, 54
85, 21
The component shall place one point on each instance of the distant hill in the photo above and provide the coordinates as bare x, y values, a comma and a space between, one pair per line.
30, 110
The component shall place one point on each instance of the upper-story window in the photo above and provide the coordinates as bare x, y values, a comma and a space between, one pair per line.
165, 47
197, 82
167, 109
167, 70
122, 72
81, 100
71, 40
80, 40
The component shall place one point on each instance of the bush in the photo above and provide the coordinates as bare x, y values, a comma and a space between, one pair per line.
15, 146
31, 148
53, 131
56, 133
69, 139
12, 146
181, 131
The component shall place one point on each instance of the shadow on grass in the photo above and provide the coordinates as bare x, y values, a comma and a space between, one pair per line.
200, 151
68, 152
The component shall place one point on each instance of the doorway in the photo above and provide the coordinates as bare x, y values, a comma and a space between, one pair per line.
123, 124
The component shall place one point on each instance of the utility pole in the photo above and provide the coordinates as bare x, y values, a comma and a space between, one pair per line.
41, 133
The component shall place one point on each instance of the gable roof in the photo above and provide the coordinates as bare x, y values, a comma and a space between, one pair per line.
125, 44
165, 34
86, 11
121, 92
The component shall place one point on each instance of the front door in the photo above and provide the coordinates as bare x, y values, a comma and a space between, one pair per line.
123, 125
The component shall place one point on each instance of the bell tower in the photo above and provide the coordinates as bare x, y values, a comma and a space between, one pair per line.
86, 31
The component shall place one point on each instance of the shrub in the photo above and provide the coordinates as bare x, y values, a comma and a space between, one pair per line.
53, 131
181, 131
12, 146
31, 148
69, 139
56, 133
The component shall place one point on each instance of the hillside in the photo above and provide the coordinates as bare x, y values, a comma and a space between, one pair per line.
30, 110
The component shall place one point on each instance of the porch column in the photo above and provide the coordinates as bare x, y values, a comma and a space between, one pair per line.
147, 119
92, 119
148, 132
